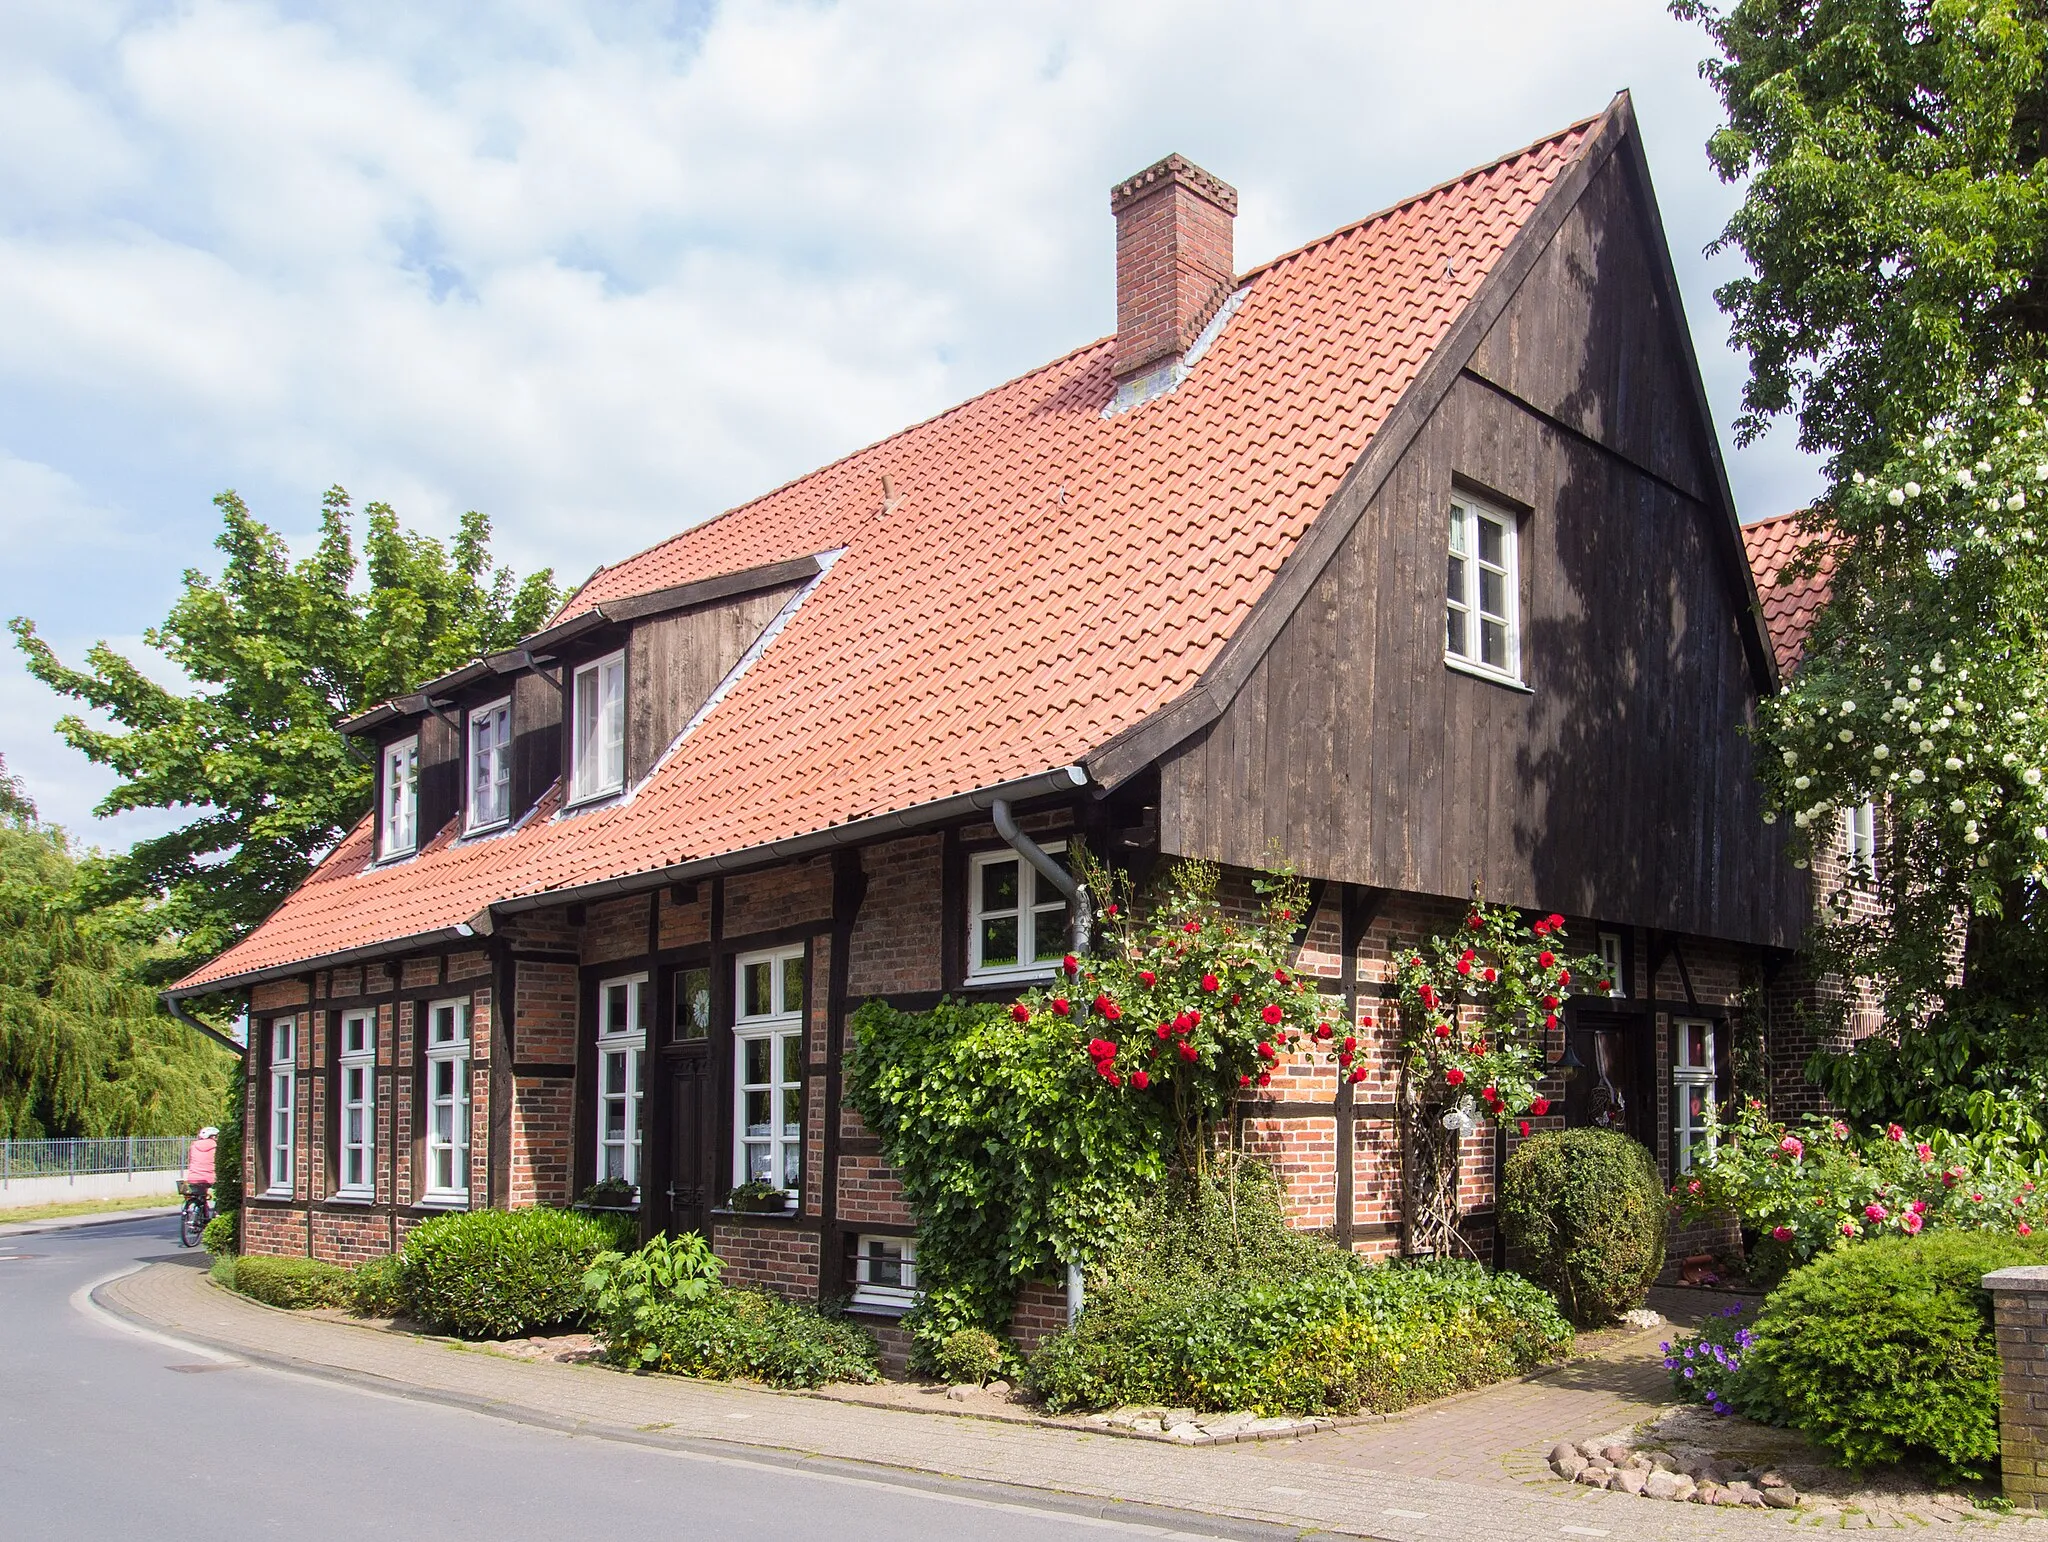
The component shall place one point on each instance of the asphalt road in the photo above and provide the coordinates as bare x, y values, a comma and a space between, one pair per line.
106, 1432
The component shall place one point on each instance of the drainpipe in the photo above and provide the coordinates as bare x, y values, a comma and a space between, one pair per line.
176, 1008
1080, 911
1080, 924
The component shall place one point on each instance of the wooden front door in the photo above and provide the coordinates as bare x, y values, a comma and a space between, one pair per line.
691, 1115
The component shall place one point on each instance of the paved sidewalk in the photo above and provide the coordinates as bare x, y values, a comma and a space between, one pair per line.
1323, 1483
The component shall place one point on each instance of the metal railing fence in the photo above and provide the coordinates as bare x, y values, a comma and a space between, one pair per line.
72, 1158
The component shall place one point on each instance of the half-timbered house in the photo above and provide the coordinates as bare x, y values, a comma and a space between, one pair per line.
1408, 555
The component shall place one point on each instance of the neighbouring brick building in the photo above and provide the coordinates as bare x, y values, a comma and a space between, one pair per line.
1408, 553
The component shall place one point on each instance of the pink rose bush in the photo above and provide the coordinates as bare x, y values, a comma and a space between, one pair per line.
1801, 1194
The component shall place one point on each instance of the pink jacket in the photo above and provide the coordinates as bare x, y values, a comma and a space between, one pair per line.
199, 1161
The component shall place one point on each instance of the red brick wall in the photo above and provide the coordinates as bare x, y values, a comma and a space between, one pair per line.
870, 1193
896, 938
1040, 1313
544, 1013
417, 972
1173, 267
350, 1239
543, 1133
773, 1258
778, 897
467, 966
615, 929
274, 1232
684, 926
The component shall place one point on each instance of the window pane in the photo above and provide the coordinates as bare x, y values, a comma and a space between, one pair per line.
1458, 529
999, 886
999, 941
1696, 1105
761, 1163
444, 1123
792, 1165
792, 1112
793, 1057
614, 1075
1492, 541
757, 984
443, 1176
693, 1003
1049, 931
760, 1067
761, 1113
1696, 1044
1454, 640
793, 984
1493, 644
1454, 581
615, 1009
613, 768
1493, 593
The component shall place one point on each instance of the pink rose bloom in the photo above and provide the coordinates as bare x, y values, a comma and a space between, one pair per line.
1781, 1233
2026, 1230
1874, 1212
1792, 1144
1919, 1207
1894, 1132
1912, 1223
1841, 1130
1923, 1151
1848, 1228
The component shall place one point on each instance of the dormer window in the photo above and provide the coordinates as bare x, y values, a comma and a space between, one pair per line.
597, 756
399, 832
490, 765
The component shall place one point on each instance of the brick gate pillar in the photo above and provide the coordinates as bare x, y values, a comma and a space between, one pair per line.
2019, 1300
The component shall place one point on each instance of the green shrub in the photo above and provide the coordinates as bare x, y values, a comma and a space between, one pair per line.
970, 1356
221, 1233
1335, 1342
1584, 1213
378, 1288
1885, 1352
502, 1273
626, 1292
293, 1283
743, 1333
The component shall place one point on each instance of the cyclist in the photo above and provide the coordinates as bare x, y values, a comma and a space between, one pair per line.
199, 1175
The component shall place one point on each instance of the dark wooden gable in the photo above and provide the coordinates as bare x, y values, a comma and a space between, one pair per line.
674, 662
1620, 784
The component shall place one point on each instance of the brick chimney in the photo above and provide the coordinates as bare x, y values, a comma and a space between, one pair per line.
1173, 259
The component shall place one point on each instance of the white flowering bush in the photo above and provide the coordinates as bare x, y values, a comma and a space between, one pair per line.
1925, 691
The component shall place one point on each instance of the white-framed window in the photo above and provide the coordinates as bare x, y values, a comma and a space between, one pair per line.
885, 1273
1481, 593
1692, 1090
447, 1058
623, 1009
358, 1104
1016, 919
597, 756
490, 765
1614, 959
283, 1110
768, 1075
1859, 839
399, 831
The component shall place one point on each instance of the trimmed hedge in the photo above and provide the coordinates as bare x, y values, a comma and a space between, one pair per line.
378, 1289
222, 1233
292, 1283
1884, 1352
1584, 1215
502, 1273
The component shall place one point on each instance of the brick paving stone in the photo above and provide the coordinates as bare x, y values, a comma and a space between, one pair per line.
1318, 1483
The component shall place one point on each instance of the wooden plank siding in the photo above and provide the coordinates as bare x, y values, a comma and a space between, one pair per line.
674, 662
1620, 785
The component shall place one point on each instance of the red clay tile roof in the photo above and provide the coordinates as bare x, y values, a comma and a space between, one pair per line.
1049, 577
1789, 608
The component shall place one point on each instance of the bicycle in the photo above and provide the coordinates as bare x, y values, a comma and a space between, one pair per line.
194, 1213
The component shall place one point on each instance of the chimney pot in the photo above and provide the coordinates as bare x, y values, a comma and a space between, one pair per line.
1174, 263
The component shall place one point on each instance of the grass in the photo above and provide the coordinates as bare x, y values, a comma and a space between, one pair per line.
73, 1207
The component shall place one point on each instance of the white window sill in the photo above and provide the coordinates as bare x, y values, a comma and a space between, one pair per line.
588, 799
444, 1202
1021, 974
388, 858
353, 1197
891, 1303
1465, 666
492, 828
275, 1193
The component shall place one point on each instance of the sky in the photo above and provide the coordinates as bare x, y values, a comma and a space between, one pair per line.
601, 270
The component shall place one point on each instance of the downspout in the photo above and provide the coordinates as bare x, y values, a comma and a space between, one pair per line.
1080, 925
177, 1010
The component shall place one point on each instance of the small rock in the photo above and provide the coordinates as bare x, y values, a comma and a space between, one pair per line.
1596, 1477
1661, 1485
1643, 1317
1589, 1451
1568, 1467
1560, 1451
957, 1394
1189, 1433
1615, 1455
1683, 1487
1268, 1426
1629, 1480
1145, 1426
997, 1387
1728, 1497
1771, 1480
1781, 1498
1705, 1492
1637, 1462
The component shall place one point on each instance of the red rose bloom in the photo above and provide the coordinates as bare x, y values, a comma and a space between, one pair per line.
1187, 1051
1148, 977
1071, 964
1280, 975
1101, 1049
1557, 923
1521, 1125
1350, 1042
1237, 1001
1550, 1003
1491, 1094
1368, 1020
1489, 975
1545, 959
1607, 985
1322, 1030
1475, 920
1194, 1019
1428, 995
1021, 1012
1265, 1050
1464, 966
1564, 977
1140, 1080
1265, 1078
1210, 982
1455, 1077
1540, 1107
1244, 1078
1443, 1030
1111, 1077
1359, 1074
1550, 1020
1191, 926
1061, 1005
1344, 1057
1272, 1014
1163, 1029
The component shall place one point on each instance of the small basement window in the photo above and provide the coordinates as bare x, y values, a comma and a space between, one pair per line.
1482, 631
597, 761
1016, 919
885, 1273
399, 833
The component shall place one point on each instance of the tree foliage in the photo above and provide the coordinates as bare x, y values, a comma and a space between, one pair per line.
1895, 216
85, 1048
279, 650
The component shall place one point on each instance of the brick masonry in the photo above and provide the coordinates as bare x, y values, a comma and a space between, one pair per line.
2020, 1312
1041, 1312
777, 1258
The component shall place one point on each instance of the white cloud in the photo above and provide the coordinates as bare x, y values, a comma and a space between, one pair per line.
603, 269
